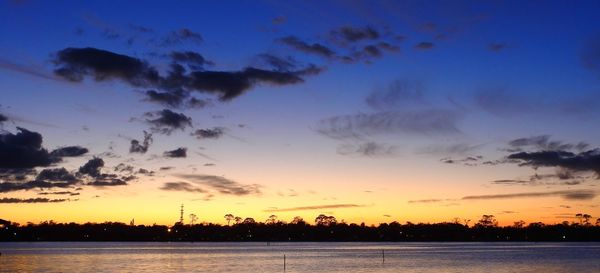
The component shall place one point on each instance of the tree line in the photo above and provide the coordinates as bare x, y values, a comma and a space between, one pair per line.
324, 228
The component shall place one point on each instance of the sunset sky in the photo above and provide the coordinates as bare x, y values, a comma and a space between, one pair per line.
370, 111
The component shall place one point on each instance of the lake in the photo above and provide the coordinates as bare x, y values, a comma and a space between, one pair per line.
99, 257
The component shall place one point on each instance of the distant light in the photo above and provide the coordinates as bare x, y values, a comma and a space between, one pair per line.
169, 230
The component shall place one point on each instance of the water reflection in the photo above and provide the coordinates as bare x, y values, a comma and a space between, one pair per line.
300, 257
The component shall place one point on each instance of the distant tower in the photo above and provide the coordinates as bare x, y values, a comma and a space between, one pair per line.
181, 215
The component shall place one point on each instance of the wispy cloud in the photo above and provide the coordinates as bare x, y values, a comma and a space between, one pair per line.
429, 201
181, 186
566, 194
422, 122
27, 69
31, 200
222, 184
317, 207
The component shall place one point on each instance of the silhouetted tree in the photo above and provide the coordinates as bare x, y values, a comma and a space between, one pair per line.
325, 230
537, 225
487, 221
324, 220
229, 217
249, 221
579, 217
193, 219
238, 220
586, 219
297, 220
271, 220
519, 224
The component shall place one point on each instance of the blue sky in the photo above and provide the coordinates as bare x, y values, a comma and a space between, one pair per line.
454, 80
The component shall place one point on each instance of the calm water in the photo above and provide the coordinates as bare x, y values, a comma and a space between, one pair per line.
300, 257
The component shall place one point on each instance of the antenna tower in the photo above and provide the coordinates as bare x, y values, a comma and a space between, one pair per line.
181, 215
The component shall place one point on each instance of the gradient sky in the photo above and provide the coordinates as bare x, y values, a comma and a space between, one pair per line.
373, 111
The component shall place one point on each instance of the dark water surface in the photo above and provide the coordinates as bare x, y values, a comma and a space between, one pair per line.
300, 257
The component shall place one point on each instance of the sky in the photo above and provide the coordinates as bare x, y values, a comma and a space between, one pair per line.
369, 111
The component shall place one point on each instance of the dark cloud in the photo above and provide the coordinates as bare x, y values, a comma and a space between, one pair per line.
74, 64
543, 142
3, 118
566, 194
59, 193
279, 20
398, 93
145, 172
229, 85
197, 103
176, 98
23, 150
142, 148
369, 149
192, 59
92, 167
511, 182
109, 180
17, 174
388, 47
424, 45
212, 133
181, 186
122, 167
372, 51
467, 161
368, 53
69, 151
167, 121
422, 122
169, 98
35, 184
180, 36
577, 162
302, 46
177, 153
355, 34
317, 207
223, 185
278, 63
46, 179
497, 47
58, 174
30, 200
